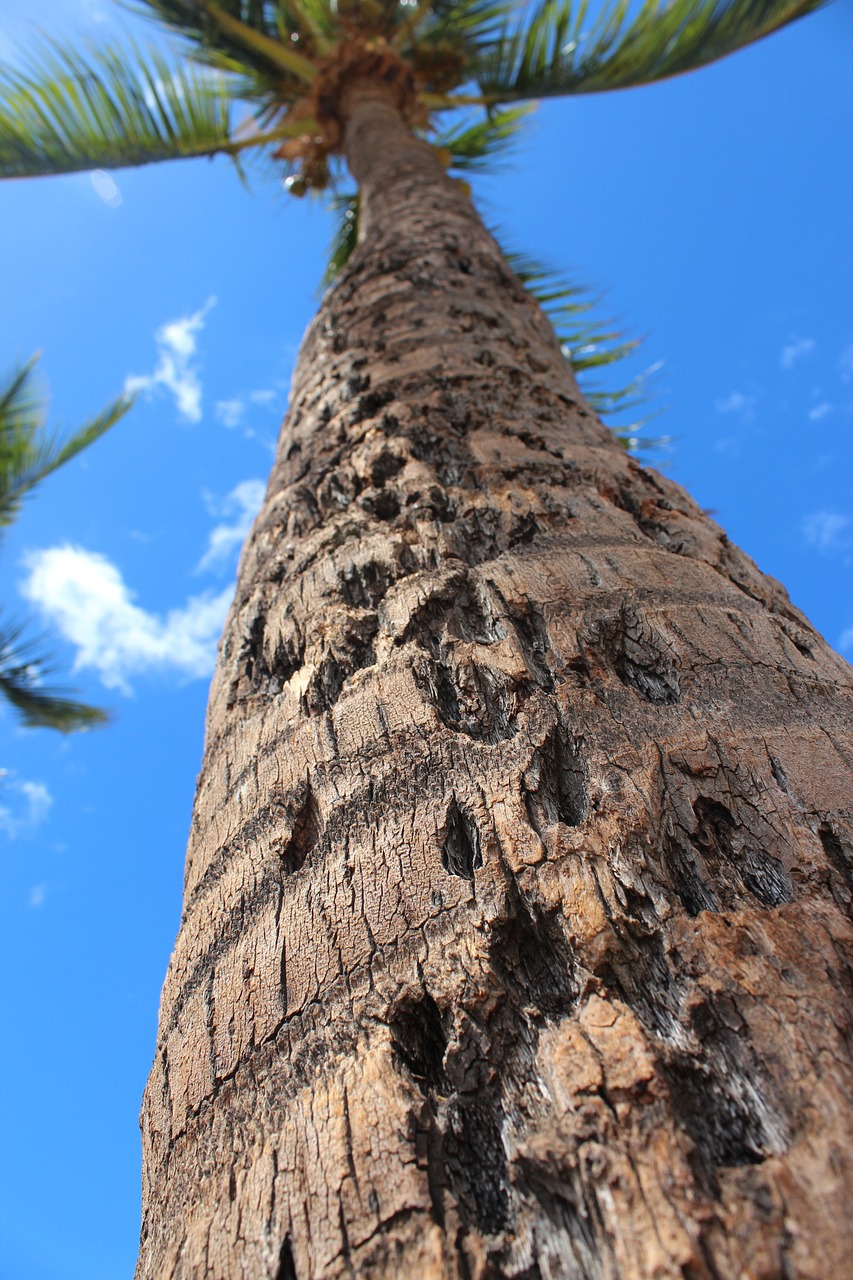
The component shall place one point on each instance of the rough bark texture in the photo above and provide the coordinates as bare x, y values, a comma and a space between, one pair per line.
520, 875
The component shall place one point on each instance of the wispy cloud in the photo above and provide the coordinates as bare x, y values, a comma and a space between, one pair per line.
37, 895
174, 371
845, 364
828, 530
796, 350
846, 641
820, 411
85, 596
738, 403
25, 805
230, 412
242, 504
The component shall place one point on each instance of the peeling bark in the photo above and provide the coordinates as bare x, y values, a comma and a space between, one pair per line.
516, 937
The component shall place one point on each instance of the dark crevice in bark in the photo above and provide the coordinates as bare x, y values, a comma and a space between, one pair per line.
720, 862
534, 641
532, 962
472, 698
841, 861
461, 854
362, 586
382, 504
722, 1097
286, 1263
421, 1042
652, 514
267, 667
305, 834
453, 608
643, 978
475, 1161
638, 654
350, 649
555, 785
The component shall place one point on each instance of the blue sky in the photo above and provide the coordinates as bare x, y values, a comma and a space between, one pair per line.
714, 211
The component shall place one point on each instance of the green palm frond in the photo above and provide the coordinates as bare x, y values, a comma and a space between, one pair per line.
560, 49
590, 344
66, 111
27, 453
468, 24
268, 36
345, 237
472, 146
23, 671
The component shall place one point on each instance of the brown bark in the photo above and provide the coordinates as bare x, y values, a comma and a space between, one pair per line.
516, 938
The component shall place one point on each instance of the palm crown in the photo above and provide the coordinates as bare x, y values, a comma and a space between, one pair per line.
266, 78
267, 75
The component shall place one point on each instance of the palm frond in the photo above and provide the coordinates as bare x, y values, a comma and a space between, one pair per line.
67, 111
471, 146
23, 671
345, 235
590, 344
560, 50
27, 453
468, 24
276, 35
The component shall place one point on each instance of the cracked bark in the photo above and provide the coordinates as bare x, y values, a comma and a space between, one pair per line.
516, 937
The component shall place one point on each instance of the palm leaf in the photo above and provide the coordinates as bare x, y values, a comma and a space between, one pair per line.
27, 454
591, 345
556, 52
345, 236
23, 669
114, 107
269, 36
467, 24
472, 146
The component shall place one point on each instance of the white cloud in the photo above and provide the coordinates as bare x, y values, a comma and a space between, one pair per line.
230, 412
795, 350
845, 364
37, 895
26, 805
737, 402
176, 345
820, 411
828, 530
88, 600
846, 641
106, 187
243, 503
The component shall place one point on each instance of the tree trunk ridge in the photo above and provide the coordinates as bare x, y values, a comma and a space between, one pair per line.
516, 932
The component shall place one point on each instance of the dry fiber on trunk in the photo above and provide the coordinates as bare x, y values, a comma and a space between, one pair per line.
519, 881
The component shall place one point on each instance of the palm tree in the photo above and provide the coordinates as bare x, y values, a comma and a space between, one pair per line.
28, 456
520, 868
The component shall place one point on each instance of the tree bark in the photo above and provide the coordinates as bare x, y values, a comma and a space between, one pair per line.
516, 935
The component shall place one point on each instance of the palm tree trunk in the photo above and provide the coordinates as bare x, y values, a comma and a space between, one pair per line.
519, 878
